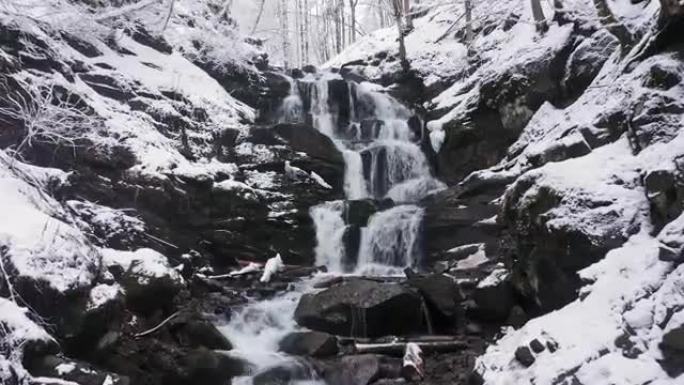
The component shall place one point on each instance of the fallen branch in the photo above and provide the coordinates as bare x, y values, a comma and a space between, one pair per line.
398, 348
154, 329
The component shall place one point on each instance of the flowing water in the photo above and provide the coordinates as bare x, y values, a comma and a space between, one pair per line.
380, 142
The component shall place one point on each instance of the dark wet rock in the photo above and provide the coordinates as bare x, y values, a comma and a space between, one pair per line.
145, 295
362, 308
517, 317
454, 218
662, 78
107, 86
156, 42
665, 191
193, 331
494, 302
361, 370
351, 239
442, 297
552, 346
203, 366
495, 119
312, 344
74, 371
323, 157
524, 356
654, 119
672, 347
560, 151
82, 46
547, 260
309, 69
586, 61
537, 346
358, 212
285, 374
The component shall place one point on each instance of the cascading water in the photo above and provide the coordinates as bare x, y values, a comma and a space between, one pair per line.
384, 160
384, 163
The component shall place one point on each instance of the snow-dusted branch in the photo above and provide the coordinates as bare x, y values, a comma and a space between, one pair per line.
44, 116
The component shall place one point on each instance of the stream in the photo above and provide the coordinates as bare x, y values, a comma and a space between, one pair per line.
380, 140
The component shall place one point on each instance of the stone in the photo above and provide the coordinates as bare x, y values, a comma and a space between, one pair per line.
362, 308
312, 344
362, 370
662, 78
441, 294
493, 303
203, 366
73, 371
537, 346
672, 346
524, 356
196, 332
517, 317
357, 212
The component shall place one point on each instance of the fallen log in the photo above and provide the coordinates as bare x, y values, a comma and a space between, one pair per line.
397, 349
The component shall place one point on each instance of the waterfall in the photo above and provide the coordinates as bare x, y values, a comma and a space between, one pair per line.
391, 239
330, 228
383, 160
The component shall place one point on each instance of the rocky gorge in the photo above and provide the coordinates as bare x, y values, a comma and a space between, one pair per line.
514, 209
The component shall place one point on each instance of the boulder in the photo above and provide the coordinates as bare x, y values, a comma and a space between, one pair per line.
524, 355
441, 294
323, 157
672, 346
312, 344
203, 366
362, 370
585, 62
285, 374
73, 371
362, 308
358, 212
494, 302
193, 331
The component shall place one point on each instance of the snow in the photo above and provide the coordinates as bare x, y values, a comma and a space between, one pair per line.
498, 275
239, 188
17, 329
102, 294
630, 277
474, 260
272, 267
144, 264
320, 181
65, 368
41, 243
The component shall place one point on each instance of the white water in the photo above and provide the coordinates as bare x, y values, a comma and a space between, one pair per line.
395, 168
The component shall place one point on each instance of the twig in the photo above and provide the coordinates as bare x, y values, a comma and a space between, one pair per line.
154, 329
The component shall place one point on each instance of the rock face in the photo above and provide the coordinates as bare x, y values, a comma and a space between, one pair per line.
362, 308
672, 347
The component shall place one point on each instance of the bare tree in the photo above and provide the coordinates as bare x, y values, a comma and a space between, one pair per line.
539, 18
397, 9
172, 3
407, 15
469, 21
259, 15
613, 26
352, 22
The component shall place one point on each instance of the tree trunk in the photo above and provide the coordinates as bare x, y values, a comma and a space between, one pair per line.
396, 4
539, 18
259, 15
613, 25
407, 15
469, 21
